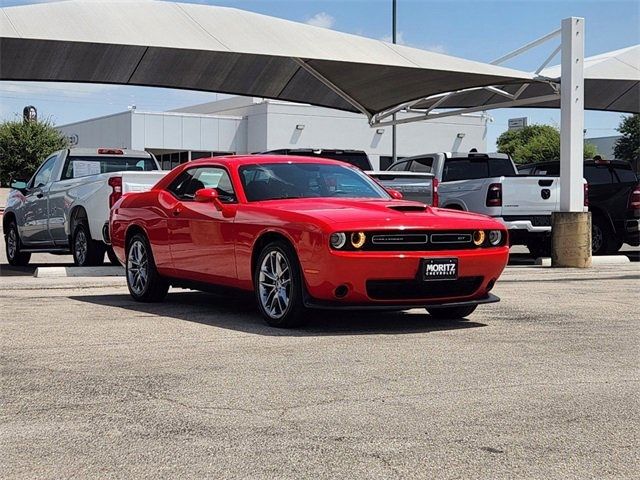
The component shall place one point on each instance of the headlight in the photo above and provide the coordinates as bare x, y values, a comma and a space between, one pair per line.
495, 237
478, 237
358, 239
337, 240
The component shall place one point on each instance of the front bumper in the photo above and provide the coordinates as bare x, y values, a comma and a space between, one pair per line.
320, 305
373, 278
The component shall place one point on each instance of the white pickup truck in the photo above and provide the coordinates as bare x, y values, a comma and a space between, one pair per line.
489, 183
65, 206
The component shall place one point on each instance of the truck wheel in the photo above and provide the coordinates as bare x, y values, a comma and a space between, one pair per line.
278, 286
12, 243
111, 255
451, 313
603, 241
144, 282
86, 252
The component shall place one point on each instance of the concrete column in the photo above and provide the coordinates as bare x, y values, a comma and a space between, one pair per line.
571, 241
571, 237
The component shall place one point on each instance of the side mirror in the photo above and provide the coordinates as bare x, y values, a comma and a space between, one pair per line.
395, 194
210, 195
18, 185
206, 195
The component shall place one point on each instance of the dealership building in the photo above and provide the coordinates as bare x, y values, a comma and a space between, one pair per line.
241, 125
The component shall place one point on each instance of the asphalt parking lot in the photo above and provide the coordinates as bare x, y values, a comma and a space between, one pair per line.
544, 384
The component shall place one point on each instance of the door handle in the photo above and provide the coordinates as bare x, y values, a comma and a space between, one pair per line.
39, 195
177, 211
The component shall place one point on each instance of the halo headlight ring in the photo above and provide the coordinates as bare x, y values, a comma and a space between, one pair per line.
338, 240
495, 237
358, 239
478, 237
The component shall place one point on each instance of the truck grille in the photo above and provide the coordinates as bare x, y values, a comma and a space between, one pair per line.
413, 289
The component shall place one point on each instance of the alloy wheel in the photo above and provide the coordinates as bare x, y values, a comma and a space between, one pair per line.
81, 247
12, 243
274, 284
597, 238
137, 267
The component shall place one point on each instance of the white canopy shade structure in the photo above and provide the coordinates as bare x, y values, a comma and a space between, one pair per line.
611, 83
218, 49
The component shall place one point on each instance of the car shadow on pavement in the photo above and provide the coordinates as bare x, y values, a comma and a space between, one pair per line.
239, 313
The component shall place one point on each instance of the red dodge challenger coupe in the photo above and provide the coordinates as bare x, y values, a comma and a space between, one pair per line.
303, 233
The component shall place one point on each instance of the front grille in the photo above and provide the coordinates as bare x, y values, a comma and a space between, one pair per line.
414, 289
417, 240
536, 220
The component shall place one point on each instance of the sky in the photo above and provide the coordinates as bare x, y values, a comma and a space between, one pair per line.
480, 30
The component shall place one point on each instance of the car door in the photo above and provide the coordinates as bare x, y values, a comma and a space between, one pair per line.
35, 225
201, 239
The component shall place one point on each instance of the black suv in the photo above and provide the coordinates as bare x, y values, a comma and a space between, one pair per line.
614, 201
357, 158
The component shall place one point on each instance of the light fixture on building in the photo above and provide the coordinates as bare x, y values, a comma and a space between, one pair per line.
300, 126
380, 131
461, 135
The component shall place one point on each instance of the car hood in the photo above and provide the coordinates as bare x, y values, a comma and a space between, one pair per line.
371, 213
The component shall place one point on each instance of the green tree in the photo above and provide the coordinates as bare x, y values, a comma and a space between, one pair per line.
628, 145
535, 143
23, 147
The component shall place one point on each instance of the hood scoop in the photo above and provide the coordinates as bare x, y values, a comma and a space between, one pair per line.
408, 208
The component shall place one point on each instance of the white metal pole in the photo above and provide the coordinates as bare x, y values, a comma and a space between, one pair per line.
572, 115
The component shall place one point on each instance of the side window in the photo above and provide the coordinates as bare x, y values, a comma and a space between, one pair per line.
422, 165
43, 176
193, 179
399, 167
598, 174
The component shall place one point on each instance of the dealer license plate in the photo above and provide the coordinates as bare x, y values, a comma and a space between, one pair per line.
439, 269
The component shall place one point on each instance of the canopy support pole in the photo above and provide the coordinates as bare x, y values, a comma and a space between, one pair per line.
571, 227
345, 96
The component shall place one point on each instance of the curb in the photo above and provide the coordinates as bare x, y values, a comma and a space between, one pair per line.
60, 272
595, 261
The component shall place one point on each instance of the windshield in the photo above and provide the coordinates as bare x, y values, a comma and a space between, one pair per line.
306, 180
76, 167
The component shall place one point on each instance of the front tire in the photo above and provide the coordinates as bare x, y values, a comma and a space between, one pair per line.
143, 280
12, 244
278, 286
451, 313
86, 252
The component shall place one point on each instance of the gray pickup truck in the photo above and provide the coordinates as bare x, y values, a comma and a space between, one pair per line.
64, 207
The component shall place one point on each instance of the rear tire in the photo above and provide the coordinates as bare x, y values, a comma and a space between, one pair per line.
278, 287
86, 252
603, 241
451, 313
13, 245
143, 280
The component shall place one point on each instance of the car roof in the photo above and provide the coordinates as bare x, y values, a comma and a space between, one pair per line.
238, 160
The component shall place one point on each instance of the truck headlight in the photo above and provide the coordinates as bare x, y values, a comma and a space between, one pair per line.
337, 240
495, 237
